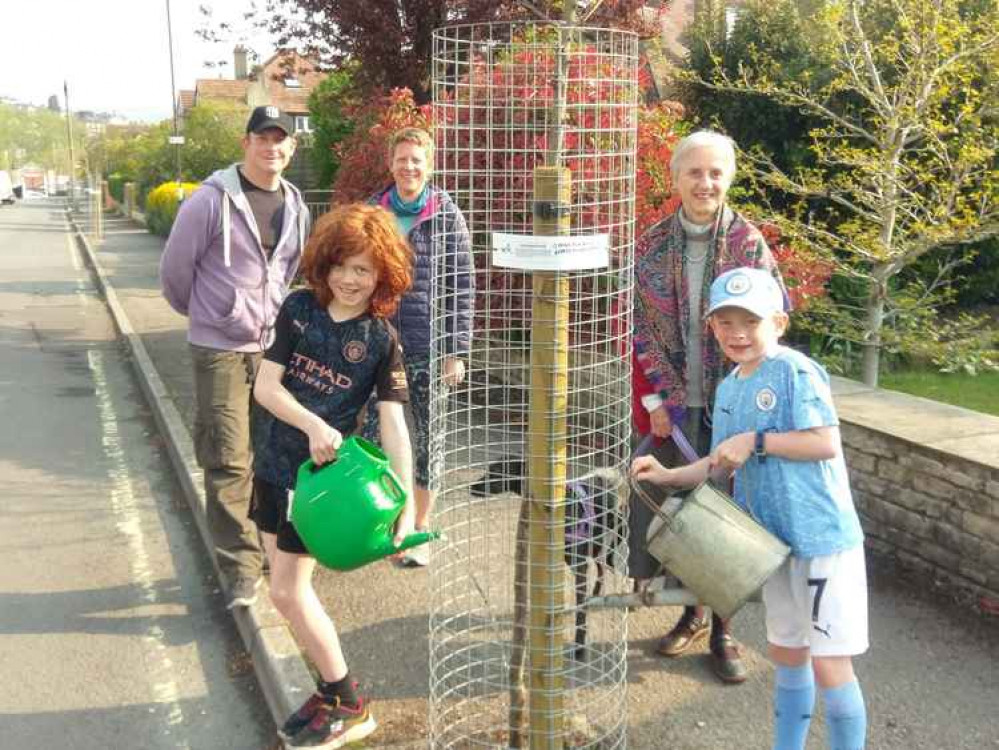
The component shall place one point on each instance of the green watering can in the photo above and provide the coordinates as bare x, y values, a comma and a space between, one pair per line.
345, 510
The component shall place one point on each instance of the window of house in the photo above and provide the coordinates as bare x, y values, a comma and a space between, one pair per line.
302, 124
731, 16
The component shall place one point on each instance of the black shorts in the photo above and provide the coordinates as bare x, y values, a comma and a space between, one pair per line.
269, 510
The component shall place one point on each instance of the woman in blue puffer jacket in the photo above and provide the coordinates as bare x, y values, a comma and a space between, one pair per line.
423, 211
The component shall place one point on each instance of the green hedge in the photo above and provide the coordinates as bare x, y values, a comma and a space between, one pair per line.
161, 206
116, 186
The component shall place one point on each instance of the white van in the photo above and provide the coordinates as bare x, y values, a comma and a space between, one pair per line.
6, 188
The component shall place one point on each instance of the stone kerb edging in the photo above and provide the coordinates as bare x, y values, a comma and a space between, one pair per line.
279, 665
925, 477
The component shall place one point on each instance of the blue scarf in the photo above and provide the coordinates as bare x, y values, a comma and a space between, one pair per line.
408, 208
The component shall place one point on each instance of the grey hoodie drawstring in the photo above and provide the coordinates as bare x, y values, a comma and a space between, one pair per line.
303, 208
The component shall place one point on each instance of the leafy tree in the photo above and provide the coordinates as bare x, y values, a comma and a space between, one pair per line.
363, 155
213, 132
154, 158
35, 135
903, 160
391, 41
775, 38
142, 153
331, 107
109, 151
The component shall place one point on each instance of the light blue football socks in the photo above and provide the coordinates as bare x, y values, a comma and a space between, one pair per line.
794, 698
846, 716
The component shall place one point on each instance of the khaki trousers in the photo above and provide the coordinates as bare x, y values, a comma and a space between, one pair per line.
223, 384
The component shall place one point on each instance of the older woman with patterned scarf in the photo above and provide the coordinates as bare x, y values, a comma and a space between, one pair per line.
677, 362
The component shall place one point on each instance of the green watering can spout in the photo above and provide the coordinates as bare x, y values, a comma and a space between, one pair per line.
345, 511
413, 540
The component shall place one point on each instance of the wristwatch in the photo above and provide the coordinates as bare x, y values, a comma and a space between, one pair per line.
759, 447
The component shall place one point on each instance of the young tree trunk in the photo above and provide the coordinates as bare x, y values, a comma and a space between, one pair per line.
871, 362
518, 643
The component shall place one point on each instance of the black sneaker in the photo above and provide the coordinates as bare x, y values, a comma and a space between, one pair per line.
301, 718
334, 725
243, 592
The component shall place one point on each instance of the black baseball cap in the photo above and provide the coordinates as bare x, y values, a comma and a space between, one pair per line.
269, 116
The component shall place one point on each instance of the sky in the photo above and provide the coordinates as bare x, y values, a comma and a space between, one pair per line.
114, 54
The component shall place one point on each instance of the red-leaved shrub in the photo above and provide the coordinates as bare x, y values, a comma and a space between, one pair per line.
363, 155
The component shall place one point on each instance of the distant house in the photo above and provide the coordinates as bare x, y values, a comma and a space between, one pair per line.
679, 14
674, 18
97, 123
285, 80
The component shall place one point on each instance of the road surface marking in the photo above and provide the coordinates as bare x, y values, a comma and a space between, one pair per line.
129, 522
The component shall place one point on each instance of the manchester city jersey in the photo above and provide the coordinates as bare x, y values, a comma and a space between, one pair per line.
331, 368
807, 504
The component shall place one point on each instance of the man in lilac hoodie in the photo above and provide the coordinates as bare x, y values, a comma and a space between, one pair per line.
230, 258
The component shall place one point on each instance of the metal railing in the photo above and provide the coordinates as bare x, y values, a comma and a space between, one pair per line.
318, 202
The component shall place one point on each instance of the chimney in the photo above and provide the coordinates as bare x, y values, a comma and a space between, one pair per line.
239, 62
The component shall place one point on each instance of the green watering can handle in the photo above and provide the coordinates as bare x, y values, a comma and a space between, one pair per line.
391, 485
313, 467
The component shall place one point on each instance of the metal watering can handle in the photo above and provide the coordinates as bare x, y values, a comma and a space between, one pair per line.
645, 446
688, 452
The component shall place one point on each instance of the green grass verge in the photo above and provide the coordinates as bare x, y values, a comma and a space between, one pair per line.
978, 392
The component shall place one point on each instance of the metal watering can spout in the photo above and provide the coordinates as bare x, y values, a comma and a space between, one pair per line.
345, 511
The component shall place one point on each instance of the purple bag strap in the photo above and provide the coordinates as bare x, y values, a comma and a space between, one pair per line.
683, 445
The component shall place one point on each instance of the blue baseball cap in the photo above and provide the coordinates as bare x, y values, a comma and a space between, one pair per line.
752, 289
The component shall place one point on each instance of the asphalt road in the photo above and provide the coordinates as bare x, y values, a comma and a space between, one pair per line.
113, 633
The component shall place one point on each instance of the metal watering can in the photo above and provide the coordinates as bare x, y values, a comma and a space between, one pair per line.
709, 542
345, 510
715, 547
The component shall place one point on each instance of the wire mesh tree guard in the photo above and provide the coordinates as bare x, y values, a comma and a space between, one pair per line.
535, 130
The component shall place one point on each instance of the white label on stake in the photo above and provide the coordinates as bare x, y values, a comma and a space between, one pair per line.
532, 252
176, 140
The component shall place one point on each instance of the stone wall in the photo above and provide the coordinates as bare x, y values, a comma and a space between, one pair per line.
925, 478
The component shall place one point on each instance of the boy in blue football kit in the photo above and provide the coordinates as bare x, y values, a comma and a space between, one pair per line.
776, 429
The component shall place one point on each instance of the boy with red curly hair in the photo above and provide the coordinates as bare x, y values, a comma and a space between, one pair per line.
333, 348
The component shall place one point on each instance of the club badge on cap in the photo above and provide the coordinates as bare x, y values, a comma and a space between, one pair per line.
738, 284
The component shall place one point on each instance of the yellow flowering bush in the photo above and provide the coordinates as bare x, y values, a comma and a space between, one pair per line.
162, 204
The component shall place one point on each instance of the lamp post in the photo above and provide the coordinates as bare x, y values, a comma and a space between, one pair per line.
72, 158
177, 139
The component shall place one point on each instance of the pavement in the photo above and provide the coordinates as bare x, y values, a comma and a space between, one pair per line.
931, 678
112, 629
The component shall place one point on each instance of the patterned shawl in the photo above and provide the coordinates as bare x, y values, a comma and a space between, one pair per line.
662, 301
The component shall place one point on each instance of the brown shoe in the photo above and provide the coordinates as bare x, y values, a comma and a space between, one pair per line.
726, 660
687, 632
